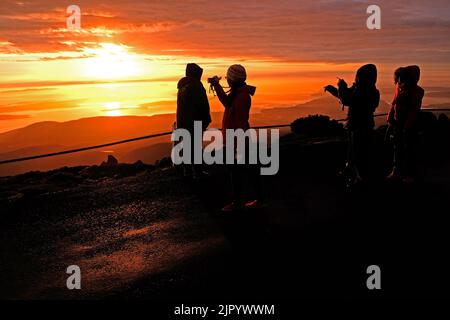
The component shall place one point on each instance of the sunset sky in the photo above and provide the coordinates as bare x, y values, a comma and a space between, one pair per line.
128, 55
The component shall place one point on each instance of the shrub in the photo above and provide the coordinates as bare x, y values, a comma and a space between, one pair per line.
318, 126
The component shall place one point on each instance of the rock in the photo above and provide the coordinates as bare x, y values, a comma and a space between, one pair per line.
110, 162
164, 162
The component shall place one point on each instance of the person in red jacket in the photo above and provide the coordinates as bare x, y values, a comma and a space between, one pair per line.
237, 104
404, 118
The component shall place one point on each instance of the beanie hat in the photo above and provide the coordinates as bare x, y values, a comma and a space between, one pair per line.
236, 73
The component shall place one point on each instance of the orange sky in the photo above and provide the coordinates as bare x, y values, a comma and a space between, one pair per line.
127, 58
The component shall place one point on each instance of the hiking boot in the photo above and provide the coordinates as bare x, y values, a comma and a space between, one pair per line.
408, 180
393, 175
231, 207
345, 171
356, 182
255, 204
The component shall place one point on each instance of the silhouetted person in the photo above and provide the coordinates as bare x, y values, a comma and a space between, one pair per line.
236, 116
192, 105
397, 74
404, 118
362, 99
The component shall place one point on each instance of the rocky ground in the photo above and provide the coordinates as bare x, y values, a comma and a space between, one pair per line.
144, 232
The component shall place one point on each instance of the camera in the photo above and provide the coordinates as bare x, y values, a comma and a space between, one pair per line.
214, 80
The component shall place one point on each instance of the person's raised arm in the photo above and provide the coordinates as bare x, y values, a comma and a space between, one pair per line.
223, 97
332, 90
345, 94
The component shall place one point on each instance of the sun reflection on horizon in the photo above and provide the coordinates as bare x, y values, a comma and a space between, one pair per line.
113, 109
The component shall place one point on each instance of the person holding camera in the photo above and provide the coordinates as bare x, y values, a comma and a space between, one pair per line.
362, 99
237, 103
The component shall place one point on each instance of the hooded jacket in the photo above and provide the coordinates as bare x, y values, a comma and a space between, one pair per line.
362, 98
237, 106
405, 109
192, 101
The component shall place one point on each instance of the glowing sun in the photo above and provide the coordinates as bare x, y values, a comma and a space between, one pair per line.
110, 61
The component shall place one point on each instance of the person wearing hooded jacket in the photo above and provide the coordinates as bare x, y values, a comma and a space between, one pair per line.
237, 104
362, 99
192, 105
404, 118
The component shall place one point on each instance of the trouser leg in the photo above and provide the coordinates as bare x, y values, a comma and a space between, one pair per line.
196, 141
237, 180
254, 175
361, 147
350, 148
410, 149
399, 151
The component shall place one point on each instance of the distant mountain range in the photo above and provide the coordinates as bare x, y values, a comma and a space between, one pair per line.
47, 137
50, 136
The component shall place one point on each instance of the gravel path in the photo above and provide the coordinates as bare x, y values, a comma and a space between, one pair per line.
117, 231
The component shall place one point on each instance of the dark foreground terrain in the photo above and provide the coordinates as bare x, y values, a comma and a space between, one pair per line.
144, 232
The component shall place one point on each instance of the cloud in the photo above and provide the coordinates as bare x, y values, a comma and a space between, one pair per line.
37, 84
438, 92
157, 105
38, 106
26, 90
6, 117
322, 30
